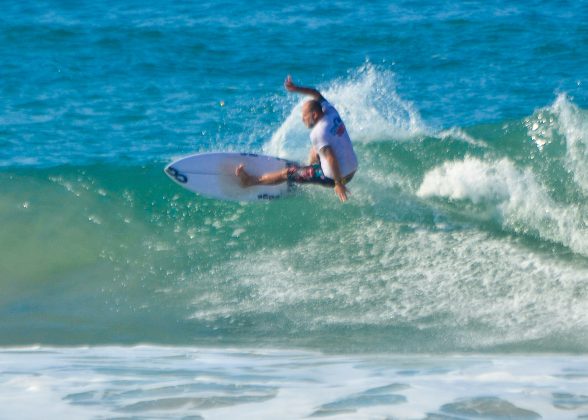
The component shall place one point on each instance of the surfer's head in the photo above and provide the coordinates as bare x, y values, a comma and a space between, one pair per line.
312, 112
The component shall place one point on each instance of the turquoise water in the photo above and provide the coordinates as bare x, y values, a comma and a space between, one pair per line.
466, 230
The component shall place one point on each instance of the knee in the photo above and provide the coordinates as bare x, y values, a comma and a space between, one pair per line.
284, 173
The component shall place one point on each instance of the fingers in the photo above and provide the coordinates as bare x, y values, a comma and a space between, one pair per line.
289, 85
341, 192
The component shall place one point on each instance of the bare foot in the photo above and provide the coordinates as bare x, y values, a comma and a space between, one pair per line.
245, 179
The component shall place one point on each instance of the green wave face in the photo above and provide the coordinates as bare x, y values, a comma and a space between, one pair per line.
468, 239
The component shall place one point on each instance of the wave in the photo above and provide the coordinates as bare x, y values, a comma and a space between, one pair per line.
118, 254
563, 127
511, 197
534, 192
463, 239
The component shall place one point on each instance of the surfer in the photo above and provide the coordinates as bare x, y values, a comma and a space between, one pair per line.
332, 160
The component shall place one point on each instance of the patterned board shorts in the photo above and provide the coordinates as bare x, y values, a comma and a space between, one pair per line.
312, 174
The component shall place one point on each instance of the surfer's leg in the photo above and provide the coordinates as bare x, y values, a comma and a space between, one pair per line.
311, 174
271, 178
245, 179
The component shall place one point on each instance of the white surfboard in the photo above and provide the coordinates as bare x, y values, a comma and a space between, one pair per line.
213, 175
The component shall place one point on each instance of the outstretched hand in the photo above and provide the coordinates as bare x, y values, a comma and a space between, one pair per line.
341, 191
289, 84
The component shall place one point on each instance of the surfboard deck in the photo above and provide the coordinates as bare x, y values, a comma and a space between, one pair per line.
213, 175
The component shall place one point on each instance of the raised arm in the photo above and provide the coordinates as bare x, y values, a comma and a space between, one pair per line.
291, 87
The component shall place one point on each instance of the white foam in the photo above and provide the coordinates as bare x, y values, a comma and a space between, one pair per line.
165, 382
573, 125
563, 123
513, 196
481, 291
470, 179
459, 134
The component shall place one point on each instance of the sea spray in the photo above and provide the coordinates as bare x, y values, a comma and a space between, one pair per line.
369, 105
572, 125
512, 197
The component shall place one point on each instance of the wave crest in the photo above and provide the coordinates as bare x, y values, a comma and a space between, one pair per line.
512, 196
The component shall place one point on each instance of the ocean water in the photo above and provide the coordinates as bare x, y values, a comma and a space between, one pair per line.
453, 284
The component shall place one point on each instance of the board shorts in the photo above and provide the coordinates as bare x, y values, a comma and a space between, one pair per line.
312, 174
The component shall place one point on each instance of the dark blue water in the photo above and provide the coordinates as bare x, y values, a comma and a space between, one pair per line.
127, 81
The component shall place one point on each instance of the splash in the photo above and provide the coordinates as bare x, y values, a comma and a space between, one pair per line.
512, 196
573, 125
563, 125
368, 103
456, 133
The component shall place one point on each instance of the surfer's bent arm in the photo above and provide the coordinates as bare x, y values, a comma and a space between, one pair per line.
330, 157
313, 156
312, 92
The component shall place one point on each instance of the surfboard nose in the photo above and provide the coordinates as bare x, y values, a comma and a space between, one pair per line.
175, 174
